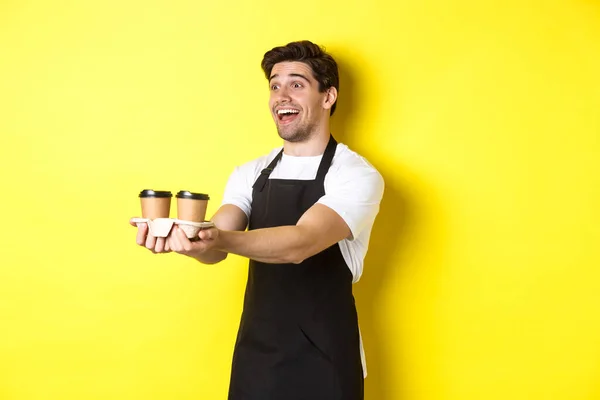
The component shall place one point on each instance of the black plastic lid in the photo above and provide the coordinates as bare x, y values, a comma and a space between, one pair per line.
184, 194
155, 193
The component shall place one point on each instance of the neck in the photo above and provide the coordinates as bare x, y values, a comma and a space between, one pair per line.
313, 146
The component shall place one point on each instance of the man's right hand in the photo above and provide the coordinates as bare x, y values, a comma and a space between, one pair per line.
144, 238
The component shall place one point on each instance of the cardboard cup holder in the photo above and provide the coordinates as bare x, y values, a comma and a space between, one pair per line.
160, 227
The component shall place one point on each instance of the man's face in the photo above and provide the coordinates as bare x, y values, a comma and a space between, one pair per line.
295, 101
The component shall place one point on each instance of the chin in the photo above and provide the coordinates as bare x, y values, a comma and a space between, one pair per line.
293, 137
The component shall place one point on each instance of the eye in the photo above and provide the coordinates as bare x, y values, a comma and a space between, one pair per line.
274, 87
297, 85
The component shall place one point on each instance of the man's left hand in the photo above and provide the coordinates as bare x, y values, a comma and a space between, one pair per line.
178, 242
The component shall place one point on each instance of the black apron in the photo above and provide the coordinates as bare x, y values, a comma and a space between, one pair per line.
298, 337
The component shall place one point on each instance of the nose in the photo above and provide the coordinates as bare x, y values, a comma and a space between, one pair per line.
283, 95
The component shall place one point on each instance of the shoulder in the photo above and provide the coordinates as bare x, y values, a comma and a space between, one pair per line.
354, 189
348, 165
251, 169
238, 190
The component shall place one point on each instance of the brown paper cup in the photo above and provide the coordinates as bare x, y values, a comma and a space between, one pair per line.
155, 204
192, 206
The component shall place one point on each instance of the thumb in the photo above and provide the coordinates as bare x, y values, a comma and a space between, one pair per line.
208, 234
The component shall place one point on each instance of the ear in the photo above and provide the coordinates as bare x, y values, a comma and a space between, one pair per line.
330, 98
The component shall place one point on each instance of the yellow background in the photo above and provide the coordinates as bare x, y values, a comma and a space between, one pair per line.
482, 280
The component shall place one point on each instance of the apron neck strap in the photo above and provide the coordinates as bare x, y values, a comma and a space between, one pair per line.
322, 171
327, 158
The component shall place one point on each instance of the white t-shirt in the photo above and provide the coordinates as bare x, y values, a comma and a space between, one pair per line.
353, 189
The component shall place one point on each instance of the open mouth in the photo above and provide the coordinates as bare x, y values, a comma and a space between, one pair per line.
287, 115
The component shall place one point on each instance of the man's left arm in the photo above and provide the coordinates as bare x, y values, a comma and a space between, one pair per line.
319, 228
355, 196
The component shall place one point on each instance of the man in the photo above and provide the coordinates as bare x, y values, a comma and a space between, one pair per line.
309, 209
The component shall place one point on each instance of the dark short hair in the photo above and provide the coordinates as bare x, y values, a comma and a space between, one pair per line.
324, 67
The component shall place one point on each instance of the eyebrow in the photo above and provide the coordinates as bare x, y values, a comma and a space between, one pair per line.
295, 75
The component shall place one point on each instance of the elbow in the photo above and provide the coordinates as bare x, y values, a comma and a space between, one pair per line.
292, 258
212, 260
301, 249
297, 261
296, 256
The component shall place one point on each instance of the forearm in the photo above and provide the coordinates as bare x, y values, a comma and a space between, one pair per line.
227, 218
278, 245
211, 257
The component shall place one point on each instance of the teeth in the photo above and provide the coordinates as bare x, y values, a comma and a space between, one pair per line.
287, 111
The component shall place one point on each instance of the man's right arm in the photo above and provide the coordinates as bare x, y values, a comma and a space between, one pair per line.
227, 218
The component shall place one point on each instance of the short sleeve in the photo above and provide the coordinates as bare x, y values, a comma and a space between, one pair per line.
354, 191
238, 191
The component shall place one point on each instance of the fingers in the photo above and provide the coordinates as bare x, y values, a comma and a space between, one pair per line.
172, 241
178, 241
141, 233
144, 238
159, 247
187, 244
150, 242
133, 223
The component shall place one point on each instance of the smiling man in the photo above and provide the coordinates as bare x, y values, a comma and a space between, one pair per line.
303, 215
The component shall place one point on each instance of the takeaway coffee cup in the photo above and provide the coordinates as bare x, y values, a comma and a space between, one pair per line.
155, 204
191, 206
